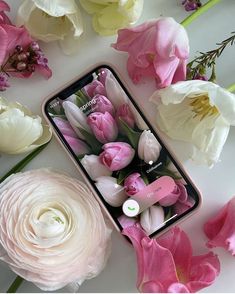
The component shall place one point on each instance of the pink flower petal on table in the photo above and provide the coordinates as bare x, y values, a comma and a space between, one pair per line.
3, 17
3, 44
220, 229
44, 70
177, 288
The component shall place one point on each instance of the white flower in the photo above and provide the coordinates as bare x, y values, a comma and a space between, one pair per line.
148, 147
109, 16
152, 219
199, 112
52, 20
20, 131
113, 193
52, 229
94, 167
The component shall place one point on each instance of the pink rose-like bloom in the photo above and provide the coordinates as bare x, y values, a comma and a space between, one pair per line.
167, 265
65, 127
157, 48
117, 155
125, 114
3, 17
77, 145
102, 104
133, 184
95, 87
179, 192
220, 229
103, 126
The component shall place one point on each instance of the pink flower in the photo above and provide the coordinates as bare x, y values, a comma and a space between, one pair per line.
103, 126
3, 17
65, 127
157, 48
125, 114
133, 184
117, 155
166, 264
102, 104
77, 145
220, 229
95, 87
3, 81
179, 192
183, 205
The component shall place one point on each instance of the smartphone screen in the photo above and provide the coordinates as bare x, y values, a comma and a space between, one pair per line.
135, 176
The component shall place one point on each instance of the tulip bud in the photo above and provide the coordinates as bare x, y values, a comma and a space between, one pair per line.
126, 221
152, 219
124, 113
78, 146
133, 184
102, 104
117, 155
148, 147
179, 193
95, 87
103, 126
64, 126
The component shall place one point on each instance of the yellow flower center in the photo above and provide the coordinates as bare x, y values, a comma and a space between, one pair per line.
150, 56
181, 275
50, 16
201, 106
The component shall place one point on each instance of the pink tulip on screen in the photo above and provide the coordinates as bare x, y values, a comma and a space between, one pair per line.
133, 184
102, 104
124, 113
95, 87
65, 127
220, 229
157, 49
179, 192
77, 145
167, 265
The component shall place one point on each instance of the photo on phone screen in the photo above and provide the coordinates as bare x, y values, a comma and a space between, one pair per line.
124, 160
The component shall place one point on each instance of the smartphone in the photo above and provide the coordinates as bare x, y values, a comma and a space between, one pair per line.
127, 166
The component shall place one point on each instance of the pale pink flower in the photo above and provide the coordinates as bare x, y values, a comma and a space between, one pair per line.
157, 48
102, 104
78, 146
133, 184
220, 229
3, 17
95, 87
179, 193
166, 264
124, 113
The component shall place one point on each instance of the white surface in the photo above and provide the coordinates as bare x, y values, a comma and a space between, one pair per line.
217, 185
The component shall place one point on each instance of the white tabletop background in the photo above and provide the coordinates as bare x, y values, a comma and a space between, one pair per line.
217, 184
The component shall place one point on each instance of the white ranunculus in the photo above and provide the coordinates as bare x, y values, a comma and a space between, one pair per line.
198, 112
20, 131
148, 147
52, 229
52, 20
94, 167
112, 192
76, 118
152, 219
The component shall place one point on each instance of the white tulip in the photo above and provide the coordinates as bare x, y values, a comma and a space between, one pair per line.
152, 219
76, 118
20, 131
52, 20
198, 112
52, 229
113, 193
148, 147
94, 167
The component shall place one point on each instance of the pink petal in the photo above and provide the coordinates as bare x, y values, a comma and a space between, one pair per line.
177, 288
220, 229
180, 73
181, 207
152, 287
44, 70
3, 44
136, 73
4, 6
204, 270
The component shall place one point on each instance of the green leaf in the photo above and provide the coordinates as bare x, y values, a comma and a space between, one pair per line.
95, 145
145, 178
15, 285
132, 135
122, 175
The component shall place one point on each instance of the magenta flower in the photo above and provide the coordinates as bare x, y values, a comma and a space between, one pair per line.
117, 155
125, 114
103, 126
179, 192
166, 264
190, 5
3, 17
95, 87
133, 184
77, 145
102, 104
65, 127
220, 229
158, 49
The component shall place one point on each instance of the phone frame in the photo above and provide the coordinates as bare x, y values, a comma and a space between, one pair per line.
170, 153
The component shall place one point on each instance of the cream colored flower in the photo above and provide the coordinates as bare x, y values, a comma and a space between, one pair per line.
20, 131
52, 229
198, 112
52, 20
109, 16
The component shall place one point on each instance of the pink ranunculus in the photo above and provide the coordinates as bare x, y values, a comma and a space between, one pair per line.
124, 113
65, 127
3, 17
77, 145
103, 126
157, 48
102, 104
166, 264
133, 184
117, 155
220, 229
179, 192
95, 87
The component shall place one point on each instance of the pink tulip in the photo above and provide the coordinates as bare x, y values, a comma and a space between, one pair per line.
124, 113
103, 74
133, 184
183, 205
95, 87
220, 229
126, 221
157, 48
65, 127
166, 264
77, 145
102, 104
117, 155
103, 126
179, 192
3, 17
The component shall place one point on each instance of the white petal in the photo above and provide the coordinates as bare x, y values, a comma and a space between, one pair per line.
152, 219
56, 7
94, 167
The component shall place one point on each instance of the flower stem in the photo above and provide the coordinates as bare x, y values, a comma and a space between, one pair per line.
198, 12
15, 285
231, 88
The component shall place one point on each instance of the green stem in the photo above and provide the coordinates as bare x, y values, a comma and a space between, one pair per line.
198, 12
231, 88
15, 285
